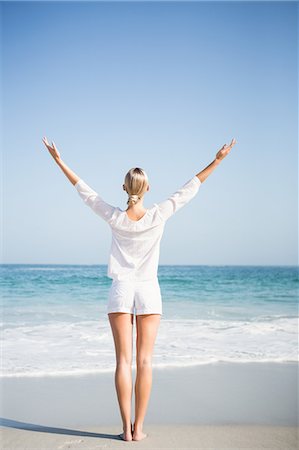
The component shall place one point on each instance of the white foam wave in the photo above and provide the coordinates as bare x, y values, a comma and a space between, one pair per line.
65, 348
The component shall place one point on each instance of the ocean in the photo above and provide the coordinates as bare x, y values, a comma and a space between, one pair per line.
54, 318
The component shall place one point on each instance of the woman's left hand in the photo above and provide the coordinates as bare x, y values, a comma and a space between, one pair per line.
52, 149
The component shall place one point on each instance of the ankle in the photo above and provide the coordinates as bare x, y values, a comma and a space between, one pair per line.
127, 428
138, 427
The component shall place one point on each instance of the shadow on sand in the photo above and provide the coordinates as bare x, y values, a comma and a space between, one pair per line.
41, 428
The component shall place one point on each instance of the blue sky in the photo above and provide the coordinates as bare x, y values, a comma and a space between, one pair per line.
161, 86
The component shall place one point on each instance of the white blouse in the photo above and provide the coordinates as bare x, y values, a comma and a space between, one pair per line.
135, 244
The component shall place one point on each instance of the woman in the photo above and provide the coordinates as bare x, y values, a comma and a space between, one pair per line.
133, 265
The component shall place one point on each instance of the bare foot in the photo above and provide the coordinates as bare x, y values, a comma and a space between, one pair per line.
126, 435
139, 435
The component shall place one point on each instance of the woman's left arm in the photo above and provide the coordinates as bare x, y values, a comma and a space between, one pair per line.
90, 197
57, 158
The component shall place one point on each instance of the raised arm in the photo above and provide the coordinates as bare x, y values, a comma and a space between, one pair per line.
57, 158
220, 155
90, 197
179, 198
183, 195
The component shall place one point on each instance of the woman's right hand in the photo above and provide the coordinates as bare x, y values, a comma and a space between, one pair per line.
223, 152
52, 149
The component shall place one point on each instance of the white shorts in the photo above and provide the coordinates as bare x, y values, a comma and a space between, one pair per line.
143, 295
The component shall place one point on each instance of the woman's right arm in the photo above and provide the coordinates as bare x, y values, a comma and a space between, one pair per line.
183, 195
221, 154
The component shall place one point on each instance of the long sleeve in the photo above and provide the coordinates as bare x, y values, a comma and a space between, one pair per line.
179, 198
94, 201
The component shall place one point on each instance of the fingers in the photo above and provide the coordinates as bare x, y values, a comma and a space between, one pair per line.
225, 149
46, 143
53, 146
233, 142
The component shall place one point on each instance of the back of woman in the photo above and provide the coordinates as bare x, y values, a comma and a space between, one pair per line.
133, 266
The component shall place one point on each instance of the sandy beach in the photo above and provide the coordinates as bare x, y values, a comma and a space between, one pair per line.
221, 405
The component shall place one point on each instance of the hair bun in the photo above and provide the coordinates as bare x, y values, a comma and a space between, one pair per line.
134, 197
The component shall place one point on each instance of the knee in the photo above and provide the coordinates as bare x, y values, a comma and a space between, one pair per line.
124, 363
144, 361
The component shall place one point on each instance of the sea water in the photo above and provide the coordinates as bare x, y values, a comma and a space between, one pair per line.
54, 319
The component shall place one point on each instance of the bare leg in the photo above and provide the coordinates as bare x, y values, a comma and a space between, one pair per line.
147, 328
122, 330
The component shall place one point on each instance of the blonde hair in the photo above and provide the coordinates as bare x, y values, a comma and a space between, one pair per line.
136, 182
